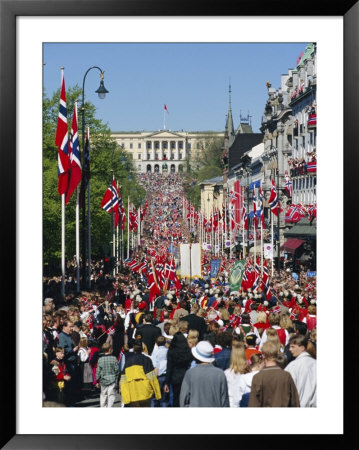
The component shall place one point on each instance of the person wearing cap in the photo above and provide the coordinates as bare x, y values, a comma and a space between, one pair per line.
204, 385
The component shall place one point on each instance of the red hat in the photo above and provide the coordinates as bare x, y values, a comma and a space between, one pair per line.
142, 305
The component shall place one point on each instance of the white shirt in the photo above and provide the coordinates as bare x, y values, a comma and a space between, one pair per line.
245, 383
304, 373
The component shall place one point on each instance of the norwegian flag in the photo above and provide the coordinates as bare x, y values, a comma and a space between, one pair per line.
274, 202
294, 213
311, 166
261, 209
245, 216
133, 218
257, 273
110, 330
265, 275
268, 290
165, 108
288, 184
110, 201
75, 159
62, 142
255, 219
312, 212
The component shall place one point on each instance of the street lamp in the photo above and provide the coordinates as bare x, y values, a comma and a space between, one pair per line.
246, 161
101, 91
273, 150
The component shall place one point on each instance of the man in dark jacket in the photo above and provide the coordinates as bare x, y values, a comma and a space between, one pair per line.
65, 342
148, 332
196, 322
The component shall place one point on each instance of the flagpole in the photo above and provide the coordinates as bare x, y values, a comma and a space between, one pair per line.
272, 241
139, 226
89, 215
78, 240
261, 247
63, 244
128, 227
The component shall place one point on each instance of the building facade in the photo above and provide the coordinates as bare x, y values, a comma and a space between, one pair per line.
164, 151
303, 162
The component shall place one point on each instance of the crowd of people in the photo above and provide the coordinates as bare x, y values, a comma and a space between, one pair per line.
195, 343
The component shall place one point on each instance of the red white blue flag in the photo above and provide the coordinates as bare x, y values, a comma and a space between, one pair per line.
62, 142
110, 201
274, 202
245, 216
75, 173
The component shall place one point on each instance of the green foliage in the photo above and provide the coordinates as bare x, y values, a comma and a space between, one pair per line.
106, 159
206, 165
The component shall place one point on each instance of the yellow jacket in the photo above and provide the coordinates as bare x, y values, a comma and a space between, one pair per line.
136, 384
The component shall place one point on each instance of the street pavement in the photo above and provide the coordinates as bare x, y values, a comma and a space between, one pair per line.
93, 400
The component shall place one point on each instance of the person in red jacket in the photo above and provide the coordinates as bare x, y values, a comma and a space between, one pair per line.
60, 371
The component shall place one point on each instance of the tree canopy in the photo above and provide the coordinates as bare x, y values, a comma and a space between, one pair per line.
206, 165
106, 158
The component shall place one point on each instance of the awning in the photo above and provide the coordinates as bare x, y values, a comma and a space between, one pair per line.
291, 244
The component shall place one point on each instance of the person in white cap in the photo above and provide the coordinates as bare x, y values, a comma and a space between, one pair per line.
204, 385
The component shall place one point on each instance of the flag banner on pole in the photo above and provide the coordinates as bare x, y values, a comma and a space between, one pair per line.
110, 201
75, 159
61, 141
214, 267
235, 278
165, 108
268, 251
273, 201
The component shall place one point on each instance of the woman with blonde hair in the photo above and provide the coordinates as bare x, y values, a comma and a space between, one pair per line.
237, 367
286, 323
84, 355
245, 381
272, 336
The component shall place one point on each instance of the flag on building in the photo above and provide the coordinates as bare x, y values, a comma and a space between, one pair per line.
62, 142
75, 159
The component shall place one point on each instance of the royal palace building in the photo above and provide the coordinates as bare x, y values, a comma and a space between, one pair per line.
164, 151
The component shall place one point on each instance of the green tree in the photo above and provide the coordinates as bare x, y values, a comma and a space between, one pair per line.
106, 159
206, 165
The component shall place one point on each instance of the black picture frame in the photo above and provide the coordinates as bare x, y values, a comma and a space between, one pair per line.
9, 10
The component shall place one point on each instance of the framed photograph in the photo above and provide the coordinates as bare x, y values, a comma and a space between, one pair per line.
24, 28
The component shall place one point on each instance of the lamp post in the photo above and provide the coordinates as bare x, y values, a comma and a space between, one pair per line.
101, 91
246, 161
273, 150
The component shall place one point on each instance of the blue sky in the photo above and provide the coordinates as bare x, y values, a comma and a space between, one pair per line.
191, 79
